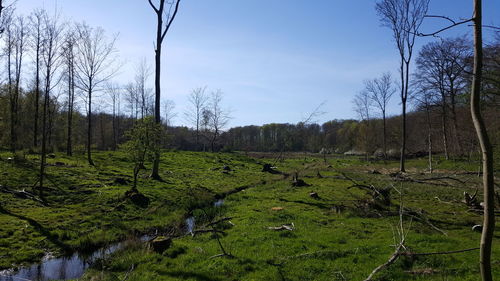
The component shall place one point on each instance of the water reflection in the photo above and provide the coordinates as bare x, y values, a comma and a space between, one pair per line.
62, 268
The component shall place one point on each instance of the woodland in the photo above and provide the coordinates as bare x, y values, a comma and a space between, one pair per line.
115, 190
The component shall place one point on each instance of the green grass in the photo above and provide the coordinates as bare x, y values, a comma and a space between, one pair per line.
335, 237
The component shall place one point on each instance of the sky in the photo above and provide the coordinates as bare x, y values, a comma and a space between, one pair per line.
275, 61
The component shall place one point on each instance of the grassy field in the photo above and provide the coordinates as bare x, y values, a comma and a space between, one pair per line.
342, 235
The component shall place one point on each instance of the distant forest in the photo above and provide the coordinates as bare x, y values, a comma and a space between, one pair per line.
439, 93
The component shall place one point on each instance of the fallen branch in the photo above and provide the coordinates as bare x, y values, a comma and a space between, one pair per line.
207, 231
289, 227
390, 261
411, 254
219, 221
21, 193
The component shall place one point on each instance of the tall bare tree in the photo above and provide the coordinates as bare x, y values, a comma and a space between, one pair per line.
486, 148
198, 101
9, 53
362, 103
165, 14
440, 67
69, 47
168, 108
143, 71
404, 18
216, 117
380, 91
113, 91
94, 65
36, 21
50, 55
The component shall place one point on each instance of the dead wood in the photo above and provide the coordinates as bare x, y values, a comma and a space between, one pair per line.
289, 227
21, 194
412, 254
381, 195
207, 231
219, 221
298, 182
390, 261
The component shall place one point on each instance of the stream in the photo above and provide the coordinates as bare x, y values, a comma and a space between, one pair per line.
73, 266
62, 268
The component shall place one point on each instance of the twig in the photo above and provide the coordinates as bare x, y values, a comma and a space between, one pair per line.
437, 253
128, 272
390, 261
219, 221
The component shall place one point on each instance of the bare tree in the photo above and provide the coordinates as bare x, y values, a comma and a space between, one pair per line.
94, 65
362, 103
215, 117
5, 14
113, 91
198, 101
168, 108
486, 148
380, 91
50, 54
9, 52
132, 98
36, 22
69, 47
426, 99
143, 71
404, 18
440, 66
163, 13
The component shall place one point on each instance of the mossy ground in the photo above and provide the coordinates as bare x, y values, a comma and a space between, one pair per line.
335, 237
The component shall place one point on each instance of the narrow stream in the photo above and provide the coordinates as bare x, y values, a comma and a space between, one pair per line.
71, 267
191, 221
62, 268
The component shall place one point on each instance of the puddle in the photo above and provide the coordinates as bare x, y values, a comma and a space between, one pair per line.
62, 268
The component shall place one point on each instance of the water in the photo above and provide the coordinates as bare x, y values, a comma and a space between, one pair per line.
62, 268
191, 222
219, 203
71, 267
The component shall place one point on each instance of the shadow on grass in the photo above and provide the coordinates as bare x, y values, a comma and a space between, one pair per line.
40, 228
189, 275
314, 204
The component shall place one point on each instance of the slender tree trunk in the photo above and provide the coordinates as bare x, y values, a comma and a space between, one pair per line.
444, 129
429, 137
486, 149
89, 127
37, 93
156, 162
114, 124
71, 95
403, 119
385, 135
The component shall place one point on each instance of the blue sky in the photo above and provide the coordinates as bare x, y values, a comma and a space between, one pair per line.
275, 60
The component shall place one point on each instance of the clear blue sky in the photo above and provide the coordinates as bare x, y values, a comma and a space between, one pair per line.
275, 60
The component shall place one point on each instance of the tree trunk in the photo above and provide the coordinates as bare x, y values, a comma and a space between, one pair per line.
89, 127
385, 135
444, 129
156, 162
114, 124
429, 137
486, 149
37, 94
71, 96
403, 119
